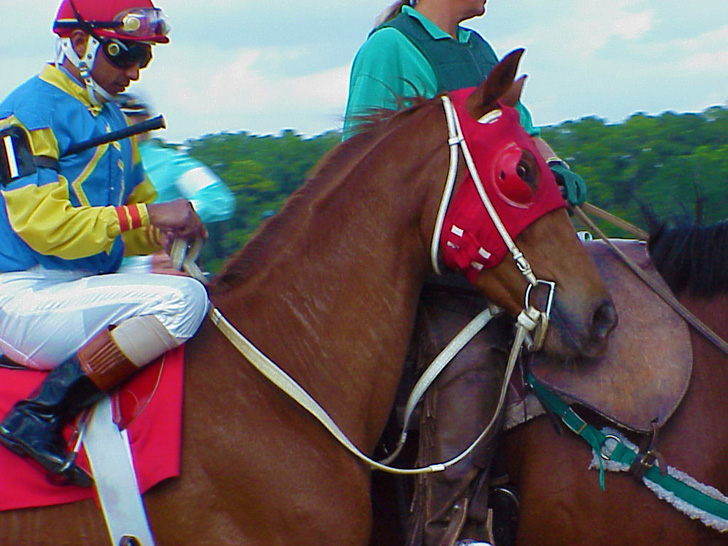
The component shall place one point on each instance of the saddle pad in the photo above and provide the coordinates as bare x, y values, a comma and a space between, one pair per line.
646, 371
151, 404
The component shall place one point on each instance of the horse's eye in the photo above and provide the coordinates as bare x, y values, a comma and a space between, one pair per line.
517, 176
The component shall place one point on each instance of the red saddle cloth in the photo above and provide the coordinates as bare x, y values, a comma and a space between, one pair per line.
149, 407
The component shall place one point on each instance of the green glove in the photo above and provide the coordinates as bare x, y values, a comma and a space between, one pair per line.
573, 187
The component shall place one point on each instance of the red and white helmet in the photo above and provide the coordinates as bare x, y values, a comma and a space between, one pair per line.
132, 20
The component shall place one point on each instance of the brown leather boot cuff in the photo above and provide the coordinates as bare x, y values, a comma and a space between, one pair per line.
104, 363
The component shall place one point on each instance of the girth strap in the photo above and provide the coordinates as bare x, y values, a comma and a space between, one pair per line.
614, 452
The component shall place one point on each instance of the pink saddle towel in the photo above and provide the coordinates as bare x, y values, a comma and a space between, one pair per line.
149, 406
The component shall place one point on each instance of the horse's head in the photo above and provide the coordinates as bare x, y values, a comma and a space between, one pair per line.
509, 203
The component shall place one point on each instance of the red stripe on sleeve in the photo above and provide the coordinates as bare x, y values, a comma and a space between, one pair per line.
121, 212
136, 218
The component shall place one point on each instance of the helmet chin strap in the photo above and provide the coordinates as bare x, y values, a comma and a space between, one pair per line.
96, 94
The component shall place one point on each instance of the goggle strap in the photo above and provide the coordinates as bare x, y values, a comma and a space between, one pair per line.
87, 24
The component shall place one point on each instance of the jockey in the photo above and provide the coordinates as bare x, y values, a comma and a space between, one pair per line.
420, 49
67, 220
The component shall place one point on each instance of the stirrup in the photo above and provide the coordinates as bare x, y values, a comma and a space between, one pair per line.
70, 474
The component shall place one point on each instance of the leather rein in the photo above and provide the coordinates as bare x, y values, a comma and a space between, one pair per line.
660, 290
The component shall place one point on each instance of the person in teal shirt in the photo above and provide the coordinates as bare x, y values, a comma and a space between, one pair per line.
174, 175
390, 65
420, 49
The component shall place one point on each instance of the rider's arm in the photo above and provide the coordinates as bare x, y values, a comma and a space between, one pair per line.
146, 239
175, 174
40, 211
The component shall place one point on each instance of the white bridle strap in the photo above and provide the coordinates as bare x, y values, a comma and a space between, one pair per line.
456, 139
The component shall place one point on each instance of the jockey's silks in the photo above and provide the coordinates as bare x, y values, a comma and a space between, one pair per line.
71, 218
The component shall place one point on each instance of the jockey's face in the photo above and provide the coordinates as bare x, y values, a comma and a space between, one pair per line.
113, 79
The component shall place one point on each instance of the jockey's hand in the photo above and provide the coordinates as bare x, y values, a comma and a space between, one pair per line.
162, 264
573, 187
177, 219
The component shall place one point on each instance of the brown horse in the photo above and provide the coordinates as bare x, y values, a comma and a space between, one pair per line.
561, 502
328, 290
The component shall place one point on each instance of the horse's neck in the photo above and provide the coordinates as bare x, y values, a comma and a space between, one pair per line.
333, 300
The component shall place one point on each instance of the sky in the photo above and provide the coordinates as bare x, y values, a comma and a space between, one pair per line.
263, 67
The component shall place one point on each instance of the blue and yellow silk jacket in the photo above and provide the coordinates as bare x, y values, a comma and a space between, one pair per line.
82, 211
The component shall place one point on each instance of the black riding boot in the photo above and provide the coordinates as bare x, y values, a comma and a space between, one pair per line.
34, 426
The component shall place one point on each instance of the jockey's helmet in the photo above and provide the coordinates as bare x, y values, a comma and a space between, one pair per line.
131, 20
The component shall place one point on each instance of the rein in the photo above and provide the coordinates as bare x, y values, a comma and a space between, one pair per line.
284, 382
664, 293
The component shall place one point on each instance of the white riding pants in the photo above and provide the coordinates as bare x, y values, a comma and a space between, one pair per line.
46, 316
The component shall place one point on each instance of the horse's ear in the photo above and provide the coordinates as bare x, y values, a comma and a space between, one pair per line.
513, 95
497, 86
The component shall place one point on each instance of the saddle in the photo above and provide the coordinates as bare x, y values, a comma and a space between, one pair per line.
645, 373
148, 407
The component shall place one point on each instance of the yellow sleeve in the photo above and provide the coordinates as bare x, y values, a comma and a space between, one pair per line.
52, 226
143, 193
142, 241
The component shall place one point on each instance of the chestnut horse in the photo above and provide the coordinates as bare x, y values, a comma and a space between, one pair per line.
328, 289
561, 502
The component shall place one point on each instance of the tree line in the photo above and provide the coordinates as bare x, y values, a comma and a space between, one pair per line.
648, 169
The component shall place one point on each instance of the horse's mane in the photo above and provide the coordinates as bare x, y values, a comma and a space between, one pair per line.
333, 166
692, 258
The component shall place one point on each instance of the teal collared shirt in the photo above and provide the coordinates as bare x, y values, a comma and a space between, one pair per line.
389, 66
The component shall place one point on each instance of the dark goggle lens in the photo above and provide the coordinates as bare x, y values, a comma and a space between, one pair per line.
127, 54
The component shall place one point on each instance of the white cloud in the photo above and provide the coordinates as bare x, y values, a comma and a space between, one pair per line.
324, 88
250, 65
591, 27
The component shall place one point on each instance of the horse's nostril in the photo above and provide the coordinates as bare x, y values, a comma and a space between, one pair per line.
604, 320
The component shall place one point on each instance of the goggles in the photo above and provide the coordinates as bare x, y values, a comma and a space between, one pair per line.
123, 54
141, 23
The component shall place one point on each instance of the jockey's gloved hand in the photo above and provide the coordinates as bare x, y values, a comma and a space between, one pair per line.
573, 187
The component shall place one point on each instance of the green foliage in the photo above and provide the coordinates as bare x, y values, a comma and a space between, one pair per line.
650, 169
646, 169
261, 171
